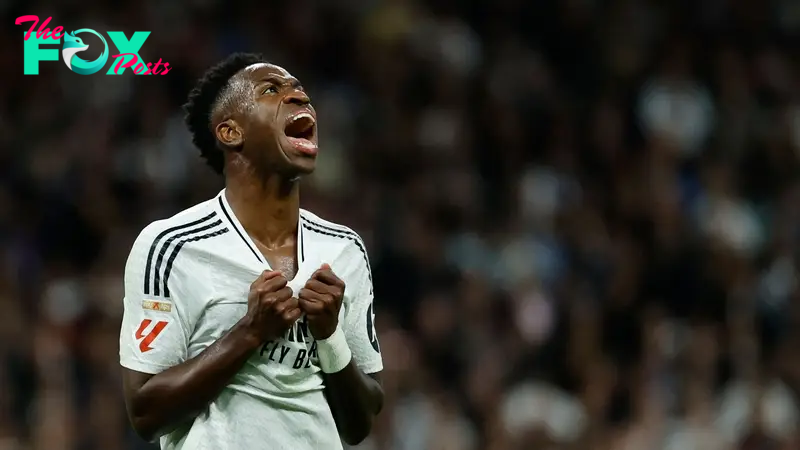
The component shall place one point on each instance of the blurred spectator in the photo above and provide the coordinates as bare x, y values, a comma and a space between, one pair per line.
582, 216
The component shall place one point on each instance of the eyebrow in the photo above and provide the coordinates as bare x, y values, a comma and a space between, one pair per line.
277, 79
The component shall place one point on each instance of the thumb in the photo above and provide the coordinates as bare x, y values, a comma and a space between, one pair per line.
325, 266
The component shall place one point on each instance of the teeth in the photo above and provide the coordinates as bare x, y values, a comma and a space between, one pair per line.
303, 115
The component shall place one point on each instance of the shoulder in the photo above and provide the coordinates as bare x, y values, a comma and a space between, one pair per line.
354, 256
154, 262
157, 247
193, 222
332, 231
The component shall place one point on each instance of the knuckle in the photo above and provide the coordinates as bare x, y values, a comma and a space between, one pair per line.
276, 284
272, 289
286, 291
263, 276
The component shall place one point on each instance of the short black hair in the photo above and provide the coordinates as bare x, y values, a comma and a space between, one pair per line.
202, 100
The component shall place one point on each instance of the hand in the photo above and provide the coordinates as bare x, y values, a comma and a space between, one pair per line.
321, 300
271, 309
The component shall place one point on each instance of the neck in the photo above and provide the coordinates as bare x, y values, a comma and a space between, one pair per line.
267, 209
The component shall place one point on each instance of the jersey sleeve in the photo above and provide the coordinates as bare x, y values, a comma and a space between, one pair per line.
157, 318
359, 320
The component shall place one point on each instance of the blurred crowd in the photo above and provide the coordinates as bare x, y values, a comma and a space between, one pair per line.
582, 215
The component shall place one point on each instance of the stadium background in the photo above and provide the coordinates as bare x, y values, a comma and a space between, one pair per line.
582, 215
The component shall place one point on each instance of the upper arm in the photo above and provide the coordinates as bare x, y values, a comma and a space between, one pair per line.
359, 319
157, 319
377, 377
132, 381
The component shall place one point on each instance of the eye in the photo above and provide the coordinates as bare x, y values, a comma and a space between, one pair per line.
271, 89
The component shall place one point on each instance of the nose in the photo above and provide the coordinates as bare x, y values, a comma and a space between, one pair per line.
296, 97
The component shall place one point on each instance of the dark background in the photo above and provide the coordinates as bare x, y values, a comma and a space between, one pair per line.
582, 215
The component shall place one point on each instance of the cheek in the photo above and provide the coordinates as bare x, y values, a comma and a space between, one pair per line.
266, 122
262, 119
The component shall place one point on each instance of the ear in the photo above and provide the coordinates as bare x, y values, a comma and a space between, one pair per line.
230, 134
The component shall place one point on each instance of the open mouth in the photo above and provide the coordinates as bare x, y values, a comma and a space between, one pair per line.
300, 130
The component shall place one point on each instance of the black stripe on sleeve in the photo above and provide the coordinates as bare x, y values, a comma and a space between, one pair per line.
233, 225
165, 248
154, 245
343, 234
352, 235
177, 250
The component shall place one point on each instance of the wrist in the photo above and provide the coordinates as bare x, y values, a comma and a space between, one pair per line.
246, 334
333, 352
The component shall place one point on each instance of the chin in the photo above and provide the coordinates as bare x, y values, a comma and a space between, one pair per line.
293, 167
305, 166
298, 162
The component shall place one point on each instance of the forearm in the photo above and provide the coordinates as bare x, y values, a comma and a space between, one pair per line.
355, 398
180, 392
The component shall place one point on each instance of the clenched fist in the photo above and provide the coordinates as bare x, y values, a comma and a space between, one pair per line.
271, 309
321, 300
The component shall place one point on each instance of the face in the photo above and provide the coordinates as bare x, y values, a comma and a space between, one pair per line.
279, 131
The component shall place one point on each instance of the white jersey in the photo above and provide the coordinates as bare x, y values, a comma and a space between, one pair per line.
186, 284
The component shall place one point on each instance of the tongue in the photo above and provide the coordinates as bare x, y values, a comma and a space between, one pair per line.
303, 145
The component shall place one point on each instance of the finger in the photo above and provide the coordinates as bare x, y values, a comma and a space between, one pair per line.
289, 303
328, 277
281, 300
325, 266
269, 298
274, 284
323, 288
291, 315
308, 294
270, 284
284, 294
264, 276
315, 274
260, 286
311, 307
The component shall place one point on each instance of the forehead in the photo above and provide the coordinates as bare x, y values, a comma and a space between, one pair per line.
262, 70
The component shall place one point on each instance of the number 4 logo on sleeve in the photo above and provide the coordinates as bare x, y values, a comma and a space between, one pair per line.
146, 339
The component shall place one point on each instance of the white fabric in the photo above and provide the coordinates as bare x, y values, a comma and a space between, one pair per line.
276, 400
